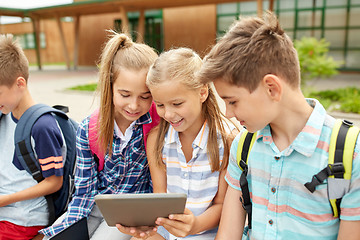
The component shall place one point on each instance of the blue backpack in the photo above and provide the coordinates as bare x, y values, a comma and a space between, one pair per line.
58, 201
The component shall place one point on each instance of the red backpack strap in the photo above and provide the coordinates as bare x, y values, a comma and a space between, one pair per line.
155, 121
93, 140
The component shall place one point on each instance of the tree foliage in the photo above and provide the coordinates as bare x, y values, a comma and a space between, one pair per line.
314, 59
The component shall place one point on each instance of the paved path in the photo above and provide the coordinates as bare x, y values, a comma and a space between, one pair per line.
49, 86
338, 81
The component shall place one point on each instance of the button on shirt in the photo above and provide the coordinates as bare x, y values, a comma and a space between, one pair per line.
283, 208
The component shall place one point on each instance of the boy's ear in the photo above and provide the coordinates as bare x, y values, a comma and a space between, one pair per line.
273, 86
204, 93
20, 82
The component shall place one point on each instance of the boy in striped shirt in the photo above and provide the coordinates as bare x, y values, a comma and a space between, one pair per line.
255, 70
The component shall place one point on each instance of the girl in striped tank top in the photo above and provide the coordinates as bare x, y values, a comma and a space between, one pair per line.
188, 152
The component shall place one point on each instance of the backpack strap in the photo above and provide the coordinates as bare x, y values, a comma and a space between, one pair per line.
23, 146
155, 119
64, 195
62, 108
245, 144
97, 152
95, 149
341, 150
24, 149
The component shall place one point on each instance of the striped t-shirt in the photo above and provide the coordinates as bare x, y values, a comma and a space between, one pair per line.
283, 208
194, 178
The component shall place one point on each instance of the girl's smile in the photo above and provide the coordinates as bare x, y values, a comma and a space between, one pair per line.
176, 123
179, 105
132, 114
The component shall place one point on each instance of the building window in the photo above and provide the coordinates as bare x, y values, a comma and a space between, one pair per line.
27, 40
153, 28
338, 21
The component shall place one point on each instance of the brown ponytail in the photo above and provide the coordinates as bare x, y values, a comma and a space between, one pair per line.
119, 52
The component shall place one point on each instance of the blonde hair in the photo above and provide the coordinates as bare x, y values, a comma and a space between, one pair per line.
252, 48
120, 52
182, 65
13, 62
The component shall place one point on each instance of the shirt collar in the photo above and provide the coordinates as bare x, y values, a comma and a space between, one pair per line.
128, 131
200, 141
171, 135
144, 119
14, 118
201, 138
306, 142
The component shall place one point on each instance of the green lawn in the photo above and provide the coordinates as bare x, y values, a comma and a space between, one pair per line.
87, 87
343, 99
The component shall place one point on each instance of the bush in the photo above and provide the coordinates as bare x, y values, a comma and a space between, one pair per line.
343, 99
314, 61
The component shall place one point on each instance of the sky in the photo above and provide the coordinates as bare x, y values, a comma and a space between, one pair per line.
24, 4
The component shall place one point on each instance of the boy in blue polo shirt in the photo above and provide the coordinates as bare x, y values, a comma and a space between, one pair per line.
255, 69
23, 208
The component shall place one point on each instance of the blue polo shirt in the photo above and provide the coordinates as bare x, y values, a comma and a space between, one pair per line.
283, 208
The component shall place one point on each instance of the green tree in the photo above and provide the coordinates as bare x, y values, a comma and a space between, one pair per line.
314, 59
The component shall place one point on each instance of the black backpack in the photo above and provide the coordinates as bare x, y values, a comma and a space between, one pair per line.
58, 201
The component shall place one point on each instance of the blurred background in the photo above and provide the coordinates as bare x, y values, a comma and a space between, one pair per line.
72, 33
63, 40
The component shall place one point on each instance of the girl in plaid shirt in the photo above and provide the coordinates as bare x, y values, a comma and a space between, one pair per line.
124, 109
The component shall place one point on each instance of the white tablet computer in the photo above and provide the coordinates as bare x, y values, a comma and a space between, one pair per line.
139, 209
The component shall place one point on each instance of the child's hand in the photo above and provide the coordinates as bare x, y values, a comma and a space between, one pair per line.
180, 225
138, 232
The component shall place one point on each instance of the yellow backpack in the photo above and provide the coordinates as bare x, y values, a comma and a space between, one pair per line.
338, 170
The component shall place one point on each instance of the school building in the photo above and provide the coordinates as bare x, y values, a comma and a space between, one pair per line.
75, 33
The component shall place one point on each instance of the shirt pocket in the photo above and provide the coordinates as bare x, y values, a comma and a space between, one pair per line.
311, 209
204, 184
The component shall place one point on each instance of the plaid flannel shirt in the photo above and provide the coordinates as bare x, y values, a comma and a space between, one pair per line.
125, 171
